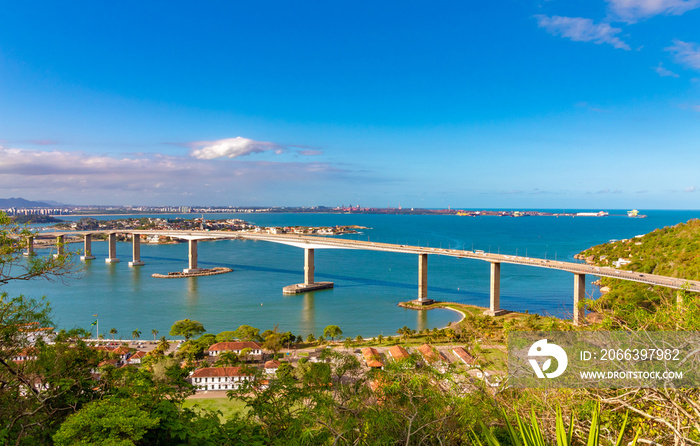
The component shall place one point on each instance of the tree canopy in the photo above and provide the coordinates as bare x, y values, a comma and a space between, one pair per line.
187, 329
332, 331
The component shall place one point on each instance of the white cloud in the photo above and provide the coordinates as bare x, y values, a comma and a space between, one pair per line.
231, 148
580, 29
70, 175
663, 72
690, 189
686, 53
632, 10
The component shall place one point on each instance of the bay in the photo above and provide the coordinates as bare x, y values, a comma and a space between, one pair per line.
368, 285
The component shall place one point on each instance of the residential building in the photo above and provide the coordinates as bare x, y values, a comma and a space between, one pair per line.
219, 378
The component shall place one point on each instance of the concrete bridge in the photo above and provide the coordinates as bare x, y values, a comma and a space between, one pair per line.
311, 243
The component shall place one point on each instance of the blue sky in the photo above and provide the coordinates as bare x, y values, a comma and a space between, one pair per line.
513, 104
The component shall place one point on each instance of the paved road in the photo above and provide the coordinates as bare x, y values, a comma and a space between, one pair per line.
317, 242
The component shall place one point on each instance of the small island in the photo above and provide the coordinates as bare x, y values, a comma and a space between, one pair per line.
199, 272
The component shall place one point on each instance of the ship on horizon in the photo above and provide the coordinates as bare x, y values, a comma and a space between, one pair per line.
635, 214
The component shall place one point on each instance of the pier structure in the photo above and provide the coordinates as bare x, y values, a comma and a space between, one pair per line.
579, 296
87, 248
423, 281
495, 291
309, 283
30, 247
60, 246
112, 248
136, 250
191, 256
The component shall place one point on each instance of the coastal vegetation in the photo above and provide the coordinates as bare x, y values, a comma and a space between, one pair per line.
670, 251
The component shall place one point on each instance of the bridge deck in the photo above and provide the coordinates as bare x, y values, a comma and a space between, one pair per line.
317, 242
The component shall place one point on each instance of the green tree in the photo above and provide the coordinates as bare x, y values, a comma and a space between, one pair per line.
163, 345
248, 333
113, 331
15, 266
332, 331
187, 329
226, 336
227, 359
30, 413
154, 332
273, 342
405, 332
310, 338
117, 422
136, 334
285, 371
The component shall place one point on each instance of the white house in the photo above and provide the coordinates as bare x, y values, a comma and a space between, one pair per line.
271, 367
219, 378
236, 347
136, 357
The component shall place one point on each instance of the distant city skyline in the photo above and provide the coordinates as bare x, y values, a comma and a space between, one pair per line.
530, 104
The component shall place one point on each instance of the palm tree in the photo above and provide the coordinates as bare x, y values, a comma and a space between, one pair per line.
135, 334
405, 332
164, 344
113, 331
227, 359
154, 332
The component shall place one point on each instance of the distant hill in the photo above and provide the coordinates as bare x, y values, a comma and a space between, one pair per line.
22, 203
671, 251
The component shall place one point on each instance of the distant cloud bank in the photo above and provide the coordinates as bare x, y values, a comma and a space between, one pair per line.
141, 176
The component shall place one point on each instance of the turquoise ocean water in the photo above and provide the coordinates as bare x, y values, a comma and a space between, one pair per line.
368, 285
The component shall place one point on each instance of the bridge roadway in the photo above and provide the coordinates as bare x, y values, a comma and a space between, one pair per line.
310, 243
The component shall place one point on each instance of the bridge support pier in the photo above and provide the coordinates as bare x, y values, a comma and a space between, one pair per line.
423, 281
192, 256
309, 266
87, 255
495, 293
136, 245
60, 246
579, 296
309, 283
30, 247
112, 248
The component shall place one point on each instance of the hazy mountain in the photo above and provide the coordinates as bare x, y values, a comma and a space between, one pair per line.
22, 203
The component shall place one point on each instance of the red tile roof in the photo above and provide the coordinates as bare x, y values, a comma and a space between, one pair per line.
121, 350
272, 364
429, 353
464, 356
138, 355
372, 357
237, 345
207, 372
397, 352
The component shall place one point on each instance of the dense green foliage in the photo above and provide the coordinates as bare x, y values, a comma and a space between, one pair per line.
187, 328
670, 251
